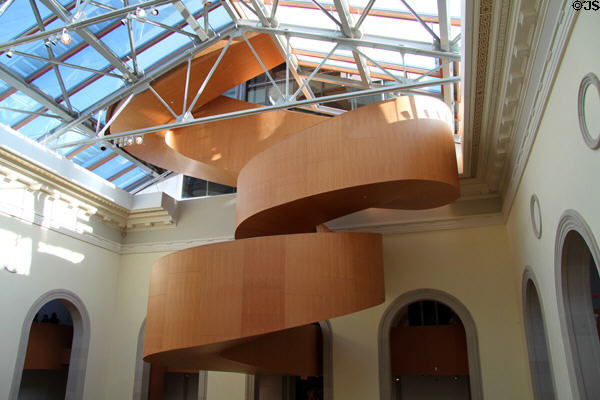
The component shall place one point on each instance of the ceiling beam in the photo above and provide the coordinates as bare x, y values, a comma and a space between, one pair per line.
444, 16
350, 31
91, 39
189, 18
14, 80
259, 110
81, 24
377, 42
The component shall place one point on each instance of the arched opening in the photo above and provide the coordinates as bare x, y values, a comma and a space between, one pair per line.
578, 288
279, 387
52, 354
155, 382
46, 365
537, 343
428, 349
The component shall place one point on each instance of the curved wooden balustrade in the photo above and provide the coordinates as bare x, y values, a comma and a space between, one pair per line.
248, 305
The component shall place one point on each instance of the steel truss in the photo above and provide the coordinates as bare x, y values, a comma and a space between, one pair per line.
349, 36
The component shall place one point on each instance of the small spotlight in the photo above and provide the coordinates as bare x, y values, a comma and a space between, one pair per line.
154, 11
9, 53
129, 141
140, 12
139, 140
124, 21
65, 38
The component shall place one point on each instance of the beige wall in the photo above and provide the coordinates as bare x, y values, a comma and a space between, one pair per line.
472, 265
93, 279
563, 172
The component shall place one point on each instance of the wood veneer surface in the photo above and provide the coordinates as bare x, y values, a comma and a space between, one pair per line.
395, 154
247, 305
217, 297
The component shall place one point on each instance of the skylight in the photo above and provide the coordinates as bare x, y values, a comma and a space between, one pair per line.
63, 63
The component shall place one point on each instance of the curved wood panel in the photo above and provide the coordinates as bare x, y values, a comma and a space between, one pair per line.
214, 151
398, 153
217, 151
206, 300
246, 305
237, 66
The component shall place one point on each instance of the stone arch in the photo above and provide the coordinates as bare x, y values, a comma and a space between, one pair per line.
390, 316
575, 248
79, 347
540, 363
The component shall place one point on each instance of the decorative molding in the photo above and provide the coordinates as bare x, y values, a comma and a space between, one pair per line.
463, 222
588, 79
14, 168
489, 41
558, 24
522, 39
535, 215
156, 247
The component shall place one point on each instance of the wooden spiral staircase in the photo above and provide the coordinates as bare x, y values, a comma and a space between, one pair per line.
249, 305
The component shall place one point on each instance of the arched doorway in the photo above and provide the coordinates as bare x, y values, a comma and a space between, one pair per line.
271, 387
537, 343
52, 355
576, 266
436, 334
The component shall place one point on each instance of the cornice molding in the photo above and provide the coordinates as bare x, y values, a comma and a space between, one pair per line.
558, 24
157, 247
38, 179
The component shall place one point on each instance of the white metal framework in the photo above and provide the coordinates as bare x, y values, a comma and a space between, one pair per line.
72, 59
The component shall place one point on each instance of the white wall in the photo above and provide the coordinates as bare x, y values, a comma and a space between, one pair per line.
472, 265
563, 172
93, 279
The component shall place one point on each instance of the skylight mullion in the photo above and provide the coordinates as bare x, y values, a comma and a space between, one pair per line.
29, 90
349, 30
444, 18
90, 38
328, 14
80, 24
418, 17
148, 77
131, 41
37, 113
69, 65
364, 14
51, 56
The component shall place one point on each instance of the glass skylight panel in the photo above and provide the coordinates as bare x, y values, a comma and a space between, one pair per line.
18, 101
39, 126
48, 84
165, 47
308, 16
66, 137
20, 16
95, 91
319, 46
396, 28
26, 66
118, 40
218, 18
130, 178
112, 167
91, 156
